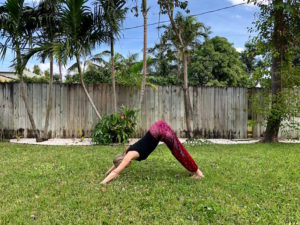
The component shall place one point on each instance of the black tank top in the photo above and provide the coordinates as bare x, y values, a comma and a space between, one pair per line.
144, 146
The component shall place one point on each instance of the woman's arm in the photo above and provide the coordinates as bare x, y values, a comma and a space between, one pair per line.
125, 163
109, 171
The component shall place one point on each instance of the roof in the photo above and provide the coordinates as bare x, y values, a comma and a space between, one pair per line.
13, 76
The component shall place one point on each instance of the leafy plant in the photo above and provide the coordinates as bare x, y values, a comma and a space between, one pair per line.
115, 128
164, 81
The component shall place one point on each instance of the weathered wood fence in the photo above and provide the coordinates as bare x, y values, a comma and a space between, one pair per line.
217, 112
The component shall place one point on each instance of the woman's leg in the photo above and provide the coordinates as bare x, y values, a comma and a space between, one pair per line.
163, 132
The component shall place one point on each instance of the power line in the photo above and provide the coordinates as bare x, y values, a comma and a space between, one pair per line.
194, 15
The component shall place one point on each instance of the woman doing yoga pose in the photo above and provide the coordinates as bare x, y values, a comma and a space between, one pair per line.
159, 131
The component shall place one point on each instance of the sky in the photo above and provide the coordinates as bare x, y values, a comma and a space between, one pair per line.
232, 23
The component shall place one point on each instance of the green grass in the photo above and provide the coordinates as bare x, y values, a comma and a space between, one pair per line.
244, 184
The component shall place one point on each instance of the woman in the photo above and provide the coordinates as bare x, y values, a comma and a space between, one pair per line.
159, 131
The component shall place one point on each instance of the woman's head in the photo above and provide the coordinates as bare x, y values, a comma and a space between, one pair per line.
118, 159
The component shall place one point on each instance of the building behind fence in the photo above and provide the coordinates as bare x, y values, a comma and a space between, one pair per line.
217, 112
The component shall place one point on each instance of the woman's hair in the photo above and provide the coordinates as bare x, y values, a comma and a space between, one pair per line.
118, 159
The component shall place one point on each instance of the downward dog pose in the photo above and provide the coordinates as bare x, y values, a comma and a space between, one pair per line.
159, 131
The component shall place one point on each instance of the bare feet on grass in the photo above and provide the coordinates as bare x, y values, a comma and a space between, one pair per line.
198, 175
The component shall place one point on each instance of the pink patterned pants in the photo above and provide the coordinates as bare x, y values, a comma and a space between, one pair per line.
161, 131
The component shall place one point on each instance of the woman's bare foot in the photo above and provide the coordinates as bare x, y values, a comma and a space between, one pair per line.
198, 175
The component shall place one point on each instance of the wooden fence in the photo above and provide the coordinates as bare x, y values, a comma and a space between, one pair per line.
217, 112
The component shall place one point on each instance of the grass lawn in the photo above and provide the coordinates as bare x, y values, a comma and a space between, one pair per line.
244, 184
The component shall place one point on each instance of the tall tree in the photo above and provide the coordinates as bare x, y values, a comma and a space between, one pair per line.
183, 31
278, 30
164, 57
47, 12
167, 7
80, 35
249, 57
17, 25
61, 59
144, 12
217, 63
113, 13
48, 33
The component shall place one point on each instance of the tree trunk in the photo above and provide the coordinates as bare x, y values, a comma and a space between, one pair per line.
145, 52
24, 96
178, 65
113, 81
279, 42
60, 71
187, 103
49, 105
84, 87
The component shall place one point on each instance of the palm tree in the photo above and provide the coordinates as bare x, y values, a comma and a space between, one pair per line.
95, 62
49, 22
183, 32
144, 11
45, 45
113, 13
61, 58
80, 35
17, 25
163, 57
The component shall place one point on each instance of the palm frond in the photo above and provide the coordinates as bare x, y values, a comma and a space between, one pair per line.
73, 68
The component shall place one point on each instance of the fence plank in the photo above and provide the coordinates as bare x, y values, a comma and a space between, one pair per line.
16, 107
2, 105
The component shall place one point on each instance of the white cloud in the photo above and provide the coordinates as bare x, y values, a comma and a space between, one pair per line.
234, 2
240, 49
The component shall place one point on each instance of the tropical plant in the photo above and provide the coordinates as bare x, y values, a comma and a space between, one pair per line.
91, 76
113, 13
80, 35
115, 128
183, 32
278, 35
217, 63
37, 70
164, 56
44, 45
17, 25
127, 70
49, 32
144, 12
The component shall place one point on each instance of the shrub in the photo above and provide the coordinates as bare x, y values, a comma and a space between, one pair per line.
90, 77
164, 81
115, 128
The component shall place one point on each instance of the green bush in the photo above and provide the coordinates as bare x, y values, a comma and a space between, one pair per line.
90, 77
164, 81
115, 128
